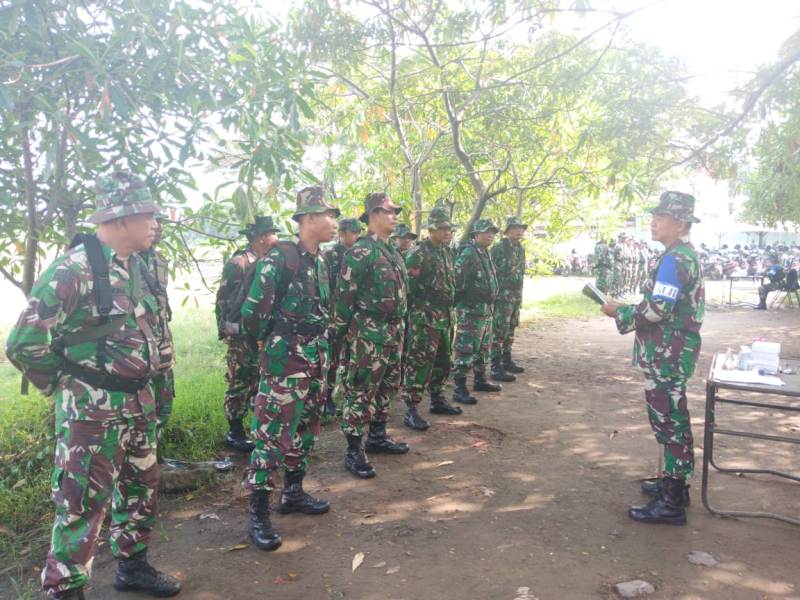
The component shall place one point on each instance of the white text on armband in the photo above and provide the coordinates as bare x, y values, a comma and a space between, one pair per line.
665, 291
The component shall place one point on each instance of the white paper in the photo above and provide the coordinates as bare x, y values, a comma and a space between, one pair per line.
737, 376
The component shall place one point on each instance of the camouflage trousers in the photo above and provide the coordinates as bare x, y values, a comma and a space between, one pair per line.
242, 378
504, 323
669, 420
98, 461
372, 379
286, 425
426, 360
601, 281
473, 340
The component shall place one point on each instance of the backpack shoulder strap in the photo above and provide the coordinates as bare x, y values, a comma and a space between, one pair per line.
291, 259
101, 285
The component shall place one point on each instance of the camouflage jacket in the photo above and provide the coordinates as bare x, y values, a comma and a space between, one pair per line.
602, 259
667, 322
476, 280
334, 257
62, 302
294, 328
232, 274
509, 263
431, 285
371, 293
158, 267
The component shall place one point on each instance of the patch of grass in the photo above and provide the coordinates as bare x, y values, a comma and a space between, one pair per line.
567, 304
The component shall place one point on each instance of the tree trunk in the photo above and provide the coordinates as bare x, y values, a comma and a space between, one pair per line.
32, 239
416, 196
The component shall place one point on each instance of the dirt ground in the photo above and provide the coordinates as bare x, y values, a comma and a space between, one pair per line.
524, 496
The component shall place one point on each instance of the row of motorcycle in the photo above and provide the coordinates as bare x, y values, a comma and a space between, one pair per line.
745, 261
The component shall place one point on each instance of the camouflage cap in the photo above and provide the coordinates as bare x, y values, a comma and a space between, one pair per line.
376, 201
678, 205
514, 222
311, 200
402, 231
351, 225
439, 219
120, 195
482, 226
262, 225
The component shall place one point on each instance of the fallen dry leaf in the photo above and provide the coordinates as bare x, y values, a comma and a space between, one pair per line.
392, 570
613, 434
241, 546
379, 565
209, 515
446, 477
444, 463
357, 560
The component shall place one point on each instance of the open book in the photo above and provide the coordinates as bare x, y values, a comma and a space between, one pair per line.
594, 294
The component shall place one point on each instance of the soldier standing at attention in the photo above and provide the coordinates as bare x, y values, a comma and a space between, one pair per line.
87, 338
163, 382
476, 292
602, 265
428, 345
403, 239
288, 311
242, 356
667, 325
368, 325
349, 232
508, 256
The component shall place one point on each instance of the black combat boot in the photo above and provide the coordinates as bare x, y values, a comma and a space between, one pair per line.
74, 594
136, 574
460, 393
652, 487
355, 460
378, 441
261, 532
498, 373
509, 365
294, 499
236, 438
412, 419
667, 508
330, 409
481, 384
440, 406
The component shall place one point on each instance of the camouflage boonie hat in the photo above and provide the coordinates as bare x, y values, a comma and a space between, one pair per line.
311, 200
402, 231
439, 219
514, 222
678, 205
351, 225
375, 201
120, 195
482, 226
262, 225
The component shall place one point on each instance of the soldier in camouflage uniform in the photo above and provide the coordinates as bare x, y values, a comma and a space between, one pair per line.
476, 292
667, 325
163, 382
428, 343
403, 239
98, 369
617, 258
242, 356
508, 256
368, 325
602, 265
288, 311
349, 232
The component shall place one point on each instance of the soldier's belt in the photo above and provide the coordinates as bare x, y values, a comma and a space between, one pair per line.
105, 381
292, 328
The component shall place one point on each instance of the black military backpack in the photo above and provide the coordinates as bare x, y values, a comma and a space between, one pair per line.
232, 315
